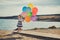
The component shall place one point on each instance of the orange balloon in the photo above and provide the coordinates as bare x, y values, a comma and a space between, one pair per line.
27, 19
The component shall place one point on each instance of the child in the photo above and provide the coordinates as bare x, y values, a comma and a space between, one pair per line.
19, 25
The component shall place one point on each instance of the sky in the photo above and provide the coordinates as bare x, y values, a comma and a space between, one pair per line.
14, 7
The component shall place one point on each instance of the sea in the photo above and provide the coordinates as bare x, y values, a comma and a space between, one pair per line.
11, 24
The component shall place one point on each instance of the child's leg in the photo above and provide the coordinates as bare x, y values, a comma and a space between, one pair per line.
19, 29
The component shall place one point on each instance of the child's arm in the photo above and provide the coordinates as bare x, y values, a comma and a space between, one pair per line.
18, 17
23, 18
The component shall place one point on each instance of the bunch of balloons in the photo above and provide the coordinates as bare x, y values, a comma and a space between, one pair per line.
29, 13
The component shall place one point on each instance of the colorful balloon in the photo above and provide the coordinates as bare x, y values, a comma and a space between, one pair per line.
24, 9
34, 11
24, 14
29, 14
30, 5
28, 9
27, 19
33, 18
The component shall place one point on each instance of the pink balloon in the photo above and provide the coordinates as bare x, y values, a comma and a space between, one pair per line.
24, 14
33, 18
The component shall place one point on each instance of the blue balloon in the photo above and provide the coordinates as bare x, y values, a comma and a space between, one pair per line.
28, 9
24, 9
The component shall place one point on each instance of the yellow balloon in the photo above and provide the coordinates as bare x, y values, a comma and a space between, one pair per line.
30, 5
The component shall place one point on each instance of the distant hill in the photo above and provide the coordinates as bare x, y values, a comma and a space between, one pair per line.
9, 17
50, 17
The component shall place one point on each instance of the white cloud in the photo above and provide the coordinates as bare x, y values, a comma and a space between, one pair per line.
37, 2
49, 9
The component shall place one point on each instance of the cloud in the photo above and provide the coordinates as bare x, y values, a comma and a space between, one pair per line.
37, 2
49, 10
14, 7
10, 11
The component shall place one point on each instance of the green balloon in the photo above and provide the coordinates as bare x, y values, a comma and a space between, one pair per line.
30, 14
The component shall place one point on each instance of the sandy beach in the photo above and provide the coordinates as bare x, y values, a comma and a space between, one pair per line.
52, 31
6, 35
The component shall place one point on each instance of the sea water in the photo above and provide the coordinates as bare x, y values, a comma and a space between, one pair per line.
11, 24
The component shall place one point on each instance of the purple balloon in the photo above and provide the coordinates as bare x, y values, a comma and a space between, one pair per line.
33, 18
